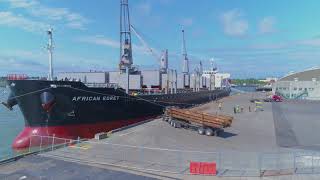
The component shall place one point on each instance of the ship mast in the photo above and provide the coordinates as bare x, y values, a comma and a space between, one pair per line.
164, 61
185, 68
50, 51
200, 67
125, 38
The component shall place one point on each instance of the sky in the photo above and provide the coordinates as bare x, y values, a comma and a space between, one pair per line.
247, 38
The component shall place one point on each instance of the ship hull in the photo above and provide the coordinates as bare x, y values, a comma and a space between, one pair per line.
67, 109
42, 136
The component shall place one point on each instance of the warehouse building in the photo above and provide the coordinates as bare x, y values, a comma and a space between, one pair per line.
300, 85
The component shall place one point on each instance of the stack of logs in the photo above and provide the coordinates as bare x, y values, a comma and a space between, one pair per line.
205, 119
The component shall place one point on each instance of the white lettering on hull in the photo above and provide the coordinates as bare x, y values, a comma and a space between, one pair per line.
95, 98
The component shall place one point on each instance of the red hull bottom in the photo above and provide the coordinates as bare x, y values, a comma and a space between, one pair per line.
30, 136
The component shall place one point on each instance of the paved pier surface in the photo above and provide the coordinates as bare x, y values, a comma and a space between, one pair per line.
43, 168
250, 131
157, 150
298, 124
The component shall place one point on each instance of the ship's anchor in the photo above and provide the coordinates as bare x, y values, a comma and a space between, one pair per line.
47, 101
12, 101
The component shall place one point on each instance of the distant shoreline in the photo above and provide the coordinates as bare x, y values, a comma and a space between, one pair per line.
3, 82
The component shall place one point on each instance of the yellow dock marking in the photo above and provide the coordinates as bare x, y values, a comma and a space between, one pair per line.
81, 146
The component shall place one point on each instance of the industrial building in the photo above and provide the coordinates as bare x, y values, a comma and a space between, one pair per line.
300, 85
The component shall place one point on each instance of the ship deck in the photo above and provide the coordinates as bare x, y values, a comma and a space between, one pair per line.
157, 150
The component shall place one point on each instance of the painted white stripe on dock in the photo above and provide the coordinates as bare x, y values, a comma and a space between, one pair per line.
131, 132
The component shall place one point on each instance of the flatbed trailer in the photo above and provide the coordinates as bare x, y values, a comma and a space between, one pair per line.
204, 123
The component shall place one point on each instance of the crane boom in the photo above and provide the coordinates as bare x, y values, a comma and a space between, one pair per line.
145, 44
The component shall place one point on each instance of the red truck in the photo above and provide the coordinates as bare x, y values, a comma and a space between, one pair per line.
271, 98
276, 98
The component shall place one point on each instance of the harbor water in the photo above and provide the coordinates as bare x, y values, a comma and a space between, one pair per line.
11, 124
246, 88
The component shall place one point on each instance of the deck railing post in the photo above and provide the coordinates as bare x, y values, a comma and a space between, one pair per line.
260, 163
312, 163
30, 143
220, 163
52, 142
40, 143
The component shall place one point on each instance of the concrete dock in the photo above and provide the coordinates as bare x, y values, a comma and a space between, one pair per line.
280, 136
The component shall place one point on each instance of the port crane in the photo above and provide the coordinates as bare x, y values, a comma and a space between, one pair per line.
162, 59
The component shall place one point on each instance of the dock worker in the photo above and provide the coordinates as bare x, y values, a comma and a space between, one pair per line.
238, 108
220, 106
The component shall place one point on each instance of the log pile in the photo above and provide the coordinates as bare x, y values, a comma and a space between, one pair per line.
194, 116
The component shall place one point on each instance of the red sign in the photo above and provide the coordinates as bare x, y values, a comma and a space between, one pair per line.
203, 168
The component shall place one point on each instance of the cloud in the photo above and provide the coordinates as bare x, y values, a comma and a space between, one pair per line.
144, 8
142, 15
22, 3
304, 43
35, 63
111, 43
186, 21
272, 46
266, 25
165, 2
72, 20
18, 21
36, 9
99, 40
21, 61
311, 42
233, 23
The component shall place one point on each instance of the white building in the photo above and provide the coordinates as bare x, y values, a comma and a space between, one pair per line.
300, 85
218, 80
269, 80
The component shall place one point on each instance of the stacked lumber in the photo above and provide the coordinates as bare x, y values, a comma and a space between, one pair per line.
206, 119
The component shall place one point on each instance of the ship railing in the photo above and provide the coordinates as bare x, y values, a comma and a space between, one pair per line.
24, 77
102, 85
17, 77
39, 143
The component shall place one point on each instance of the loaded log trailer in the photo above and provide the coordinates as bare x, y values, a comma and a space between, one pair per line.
204, 123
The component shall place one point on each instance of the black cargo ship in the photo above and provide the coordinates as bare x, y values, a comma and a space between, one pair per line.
72, 108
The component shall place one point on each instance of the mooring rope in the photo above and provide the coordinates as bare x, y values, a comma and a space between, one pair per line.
29, 93
136, 98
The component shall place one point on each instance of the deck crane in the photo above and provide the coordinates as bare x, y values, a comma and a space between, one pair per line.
162, 59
